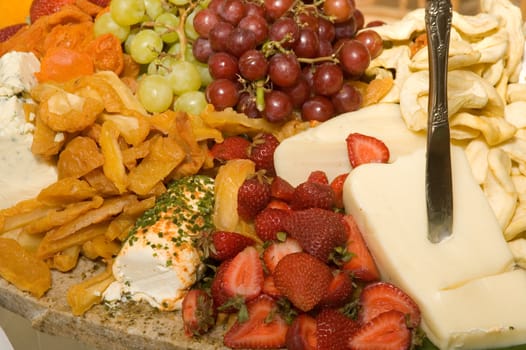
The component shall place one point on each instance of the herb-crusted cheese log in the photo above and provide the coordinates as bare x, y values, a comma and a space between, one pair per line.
159, 260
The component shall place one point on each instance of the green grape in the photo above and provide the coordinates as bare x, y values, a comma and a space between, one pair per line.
127, 12
153, 8
166, 25
184, 77
162, 65
146, 46
179, 2
175, 50
155, 93
192, 102
129, 39
189, 26
204, 72
105, 24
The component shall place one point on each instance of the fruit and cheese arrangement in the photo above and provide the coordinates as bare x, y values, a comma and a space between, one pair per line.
248, 174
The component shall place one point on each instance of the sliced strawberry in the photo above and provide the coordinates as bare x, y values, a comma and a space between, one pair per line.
337, 187
262, 152
264, 329
226, 245
303, 279
279, 204
302, 333
340, 290
318, 176
233, 147
252, 197
312, 195
198, 313
380, 297
277, 250
269, 287
318, 231
281, 189
9, 31
361, 264
269, 222
244, 275
334, 329
219, 295
366, 149
41, 8
387, 331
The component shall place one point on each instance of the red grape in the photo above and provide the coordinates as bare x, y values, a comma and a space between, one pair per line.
339, 10
232, 11
222, 65
325, 48
307, 44
277, 8
284, 69
299, 92
306, 20
372, 41
222, 93
359, 19
282, 28
317, 108
240, 40
345, 30
201, 49
327, 79
257, 25
348, 99
354, 57
326, 29
278, 106
204, 21
254, 9
247, 105
253, 65
219, 34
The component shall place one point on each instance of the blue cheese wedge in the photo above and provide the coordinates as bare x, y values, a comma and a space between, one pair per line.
17, 72
160, 260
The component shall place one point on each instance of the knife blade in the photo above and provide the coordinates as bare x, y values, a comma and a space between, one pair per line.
439, 189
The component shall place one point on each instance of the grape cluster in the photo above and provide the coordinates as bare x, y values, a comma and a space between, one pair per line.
159, 35
279, 58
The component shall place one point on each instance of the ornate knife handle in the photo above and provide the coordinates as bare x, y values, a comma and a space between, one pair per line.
439, 185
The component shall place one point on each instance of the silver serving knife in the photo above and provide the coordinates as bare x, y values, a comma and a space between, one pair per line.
439, 189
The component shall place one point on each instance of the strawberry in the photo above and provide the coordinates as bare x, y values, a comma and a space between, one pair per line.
303, 279
361, 264
301, 334
277, 250
269, 287
339, 291
279, 204
379, 297
366, 149
252, 197
233, 147
226, 245
219, 295
41, 8
318, 176
337, 188
312, 195
334, 329
387, 331
318, 231
244, 275
264, 329
9, 31
198, 313
269, 222
281, 189
262, 152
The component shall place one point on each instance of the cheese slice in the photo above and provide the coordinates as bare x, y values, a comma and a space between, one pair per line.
324, 147
468, 294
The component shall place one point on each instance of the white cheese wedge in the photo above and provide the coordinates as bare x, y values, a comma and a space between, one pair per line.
17, 72
468, 297
324, 147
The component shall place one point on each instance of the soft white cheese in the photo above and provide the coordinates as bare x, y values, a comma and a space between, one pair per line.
159, 262
17, 72
324, 147
22, 174
468, 297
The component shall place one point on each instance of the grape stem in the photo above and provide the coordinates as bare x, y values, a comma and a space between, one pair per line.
183, 14
331, 58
